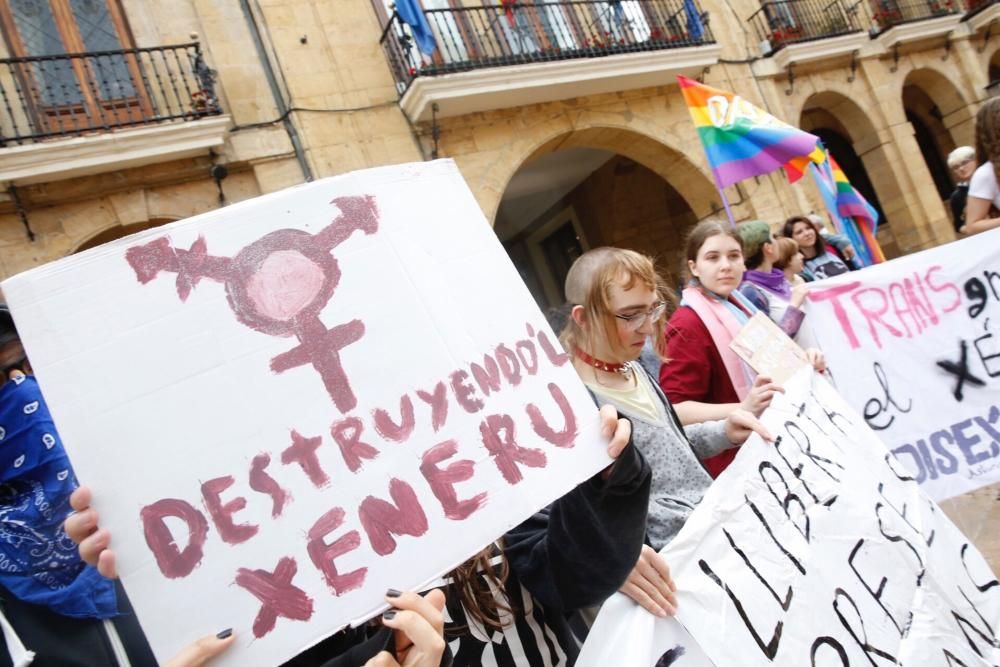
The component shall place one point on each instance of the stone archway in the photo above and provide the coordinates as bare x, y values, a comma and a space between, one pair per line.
116, 232
941, 122
598, 186
854, 143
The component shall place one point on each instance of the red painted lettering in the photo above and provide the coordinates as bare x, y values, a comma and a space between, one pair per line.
557, 357
499, 439
442, 480
173, 562
944, 287
567, 436
381, 519
487, 376
347, 434
388, 429
303, 451
509, 365
873, 313
465, 393
438, 402
222, 513
833, 294
323, 555
261, 482
277, 595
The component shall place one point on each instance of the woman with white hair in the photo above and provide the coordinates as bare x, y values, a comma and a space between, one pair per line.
962, 162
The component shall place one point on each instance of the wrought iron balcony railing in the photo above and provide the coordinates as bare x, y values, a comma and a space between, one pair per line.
976, 6
521, 31
790, 21
62, 95
889, 13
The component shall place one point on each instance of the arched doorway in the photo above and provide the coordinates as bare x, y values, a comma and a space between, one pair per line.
595, 187
849, 135
117, 232
940, 120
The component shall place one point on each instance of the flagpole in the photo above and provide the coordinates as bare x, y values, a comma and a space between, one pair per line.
725, 200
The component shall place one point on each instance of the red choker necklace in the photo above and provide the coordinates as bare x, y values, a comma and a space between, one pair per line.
623, 369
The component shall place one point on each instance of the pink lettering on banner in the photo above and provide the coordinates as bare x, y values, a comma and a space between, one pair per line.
903, 308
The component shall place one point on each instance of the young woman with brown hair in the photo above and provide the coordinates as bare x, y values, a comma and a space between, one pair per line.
618, 301
702, 376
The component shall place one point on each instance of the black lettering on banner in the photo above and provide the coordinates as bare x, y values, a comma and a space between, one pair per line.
963, 623
834, 644
902, 514
799, 435
981, 588
767, 527
877, 593
952, 659
893, 463
789, 497
770, 649
796, 470
830, 414
900, 538
863, 639
876, 407
960, 369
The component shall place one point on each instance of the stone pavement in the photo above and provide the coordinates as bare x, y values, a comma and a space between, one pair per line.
977, 514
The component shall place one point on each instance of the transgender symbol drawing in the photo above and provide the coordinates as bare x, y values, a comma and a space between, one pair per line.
278, 285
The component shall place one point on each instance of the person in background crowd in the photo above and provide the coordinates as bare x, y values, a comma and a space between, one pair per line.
819, 260
619, 303
962, 162
507, 605
836, 243
790, 261
984, 189
765, 285
59, 610
702, 376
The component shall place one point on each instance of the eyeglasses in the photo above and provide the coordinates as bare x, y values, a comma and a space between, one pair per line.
635, 322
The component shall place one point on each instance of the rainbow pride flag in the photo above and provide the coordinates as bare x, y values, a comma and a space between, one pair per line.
742, 140
850, 203
852, 214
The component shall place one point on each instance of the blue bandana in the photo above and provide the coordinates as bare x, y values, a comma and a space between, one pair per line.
39, 564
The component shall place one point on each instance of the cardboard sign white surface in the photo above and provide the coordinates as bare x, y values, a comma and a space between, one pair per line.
288, 372
821, 550
769, 351
914, 345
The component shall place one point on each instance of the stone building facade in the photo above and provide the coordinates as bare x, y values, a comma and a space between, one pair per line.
565, 119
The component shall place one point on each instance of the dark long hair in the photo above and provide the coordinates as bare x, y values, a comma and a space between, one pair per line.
819, 247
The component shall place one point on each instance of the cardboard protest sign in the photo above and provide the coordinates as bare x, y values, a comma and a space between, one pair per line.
289, 405
821, 549
769, 351
914, 345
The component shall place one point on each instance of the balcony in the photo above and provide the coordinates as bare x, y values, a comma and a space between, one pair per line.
73, 114
797, 31
898, 21
494, 57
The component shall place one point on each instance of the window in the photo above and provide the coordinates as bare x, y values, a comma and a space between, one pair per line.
94, 89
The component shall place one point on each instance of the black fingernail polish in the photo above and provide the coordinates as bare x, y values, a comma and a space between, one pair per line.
389, 615
393, 593
225, 633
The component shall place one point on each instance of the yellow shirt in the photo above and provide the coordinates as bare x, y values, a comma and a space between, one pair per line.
640, 398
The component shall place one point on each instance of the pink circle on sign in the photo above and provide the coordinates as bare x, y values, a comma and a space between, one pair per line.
285, 282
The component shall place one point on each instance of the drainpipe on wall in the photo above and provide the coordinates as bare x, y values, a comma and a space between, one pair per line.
279, 99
